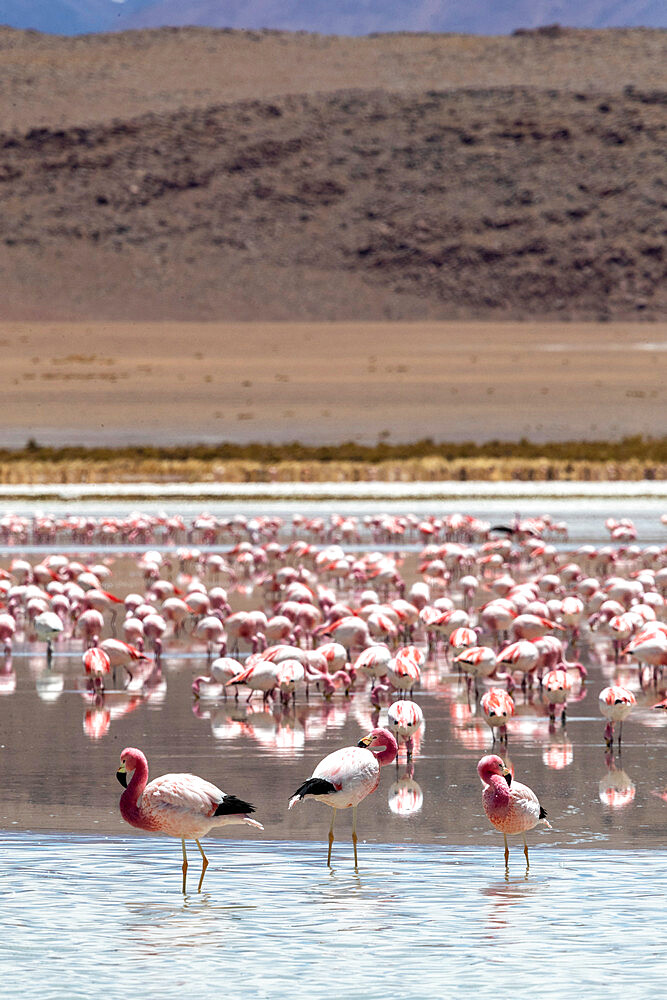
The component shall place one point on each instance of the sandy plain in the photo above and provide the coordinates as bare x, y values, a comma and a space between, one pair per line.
170, 383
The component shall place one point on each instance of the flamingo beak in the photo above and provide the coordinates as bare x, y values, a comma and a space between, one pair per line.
121, 774
507, 774
365, 742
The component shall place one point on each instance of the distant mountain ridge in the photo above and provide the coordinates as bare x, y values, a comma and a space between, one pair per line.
346, 17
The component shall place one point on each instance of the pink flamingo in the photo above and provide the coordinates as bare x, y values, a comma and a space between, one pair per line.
522, 655
404, 720
207, 688
89, 626
557, 685
498, 708
121, 654
510, 806
347, 776
7, 630
259, 674
179, 805
615, 703
476, 661
96, 663
404, 670
373, 661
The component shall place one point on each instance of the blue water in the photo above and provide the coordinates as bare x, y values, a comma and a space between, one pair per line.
87, 916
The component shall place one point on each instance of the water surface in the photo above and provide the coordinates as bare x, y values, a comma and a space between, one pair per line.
84, 915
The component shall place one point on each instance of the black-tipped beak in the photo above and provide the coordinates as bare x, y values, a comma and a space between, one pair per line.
121, 774
365, 742
508, 777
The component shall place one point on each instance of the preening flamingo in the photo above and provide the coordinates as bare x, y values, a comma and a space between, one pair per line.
179, 805
344, 778
510, 806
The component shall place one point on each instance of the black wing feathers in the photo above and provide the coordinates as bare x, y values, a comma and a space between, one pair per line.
230, 806
315, 786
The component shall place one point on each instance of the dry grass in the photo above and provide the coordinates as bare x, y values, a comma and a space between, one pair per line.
426, 468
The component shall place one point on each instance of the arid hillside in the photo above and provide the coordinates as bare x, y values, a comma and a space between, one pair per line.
200, 174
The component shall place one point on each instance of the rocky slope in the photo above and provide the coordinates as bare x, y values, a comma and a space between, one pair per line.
495, 201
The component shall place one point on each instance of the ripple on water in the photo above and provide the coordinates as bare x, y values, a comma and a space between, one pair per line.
84, 914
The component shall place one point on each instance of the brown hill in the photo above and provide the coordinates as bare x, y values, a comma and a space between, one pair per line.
302, 177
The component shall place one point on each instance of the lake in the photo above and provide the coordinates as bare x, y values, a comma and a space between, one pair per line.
91, 906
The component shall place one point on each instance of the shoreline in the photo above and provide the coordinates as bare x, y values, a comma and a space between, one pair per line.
319, 492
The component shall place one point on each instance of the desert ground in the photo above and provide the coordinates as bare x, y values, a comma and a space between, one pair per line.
166, 383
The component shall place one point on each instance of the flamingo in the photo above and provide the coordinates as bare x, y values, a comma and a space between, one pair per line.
344, 778
404, 670
259, 674
121, 654
179, 805
558, 685
48, 627
476, 661
404, 719
615, 703
97, 664
522, 655
510, 806
497, 708
7, 630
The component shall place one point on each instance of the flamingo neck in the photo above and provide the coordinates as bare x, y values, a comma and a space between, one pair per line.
388, 755
499, 791
129, 800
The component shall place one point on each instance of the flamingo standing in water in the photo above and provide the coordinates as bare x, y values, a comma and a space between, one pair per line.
404, 719
497, 708
347, 776
510, 806
615, 703
96, 663
180, 805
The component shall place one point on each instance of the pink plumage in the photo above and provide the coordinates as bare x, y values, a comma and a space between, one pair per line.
498, 707
510, 806
404, 719
179, 805
615, 703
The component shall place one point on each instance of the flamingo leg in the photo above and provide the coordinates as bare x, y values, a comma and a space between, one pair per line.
185, 863
204, 864
525, 851
331, 837
354, 835
507, 852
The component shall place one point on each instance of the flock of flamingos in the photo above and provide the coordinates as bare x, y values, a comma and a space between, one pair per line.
506, 607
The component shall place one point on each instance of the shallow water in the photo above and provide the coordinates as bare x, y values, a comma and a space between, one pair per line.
84, 915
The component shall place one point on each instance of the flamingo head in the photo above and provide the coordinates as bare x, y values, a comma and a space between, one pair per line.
490, 765
382, 744
130, 759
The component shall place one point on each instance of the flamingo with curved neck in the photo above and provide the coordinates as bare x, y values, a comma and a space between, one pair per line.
179, 805
344, 778
510, 806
